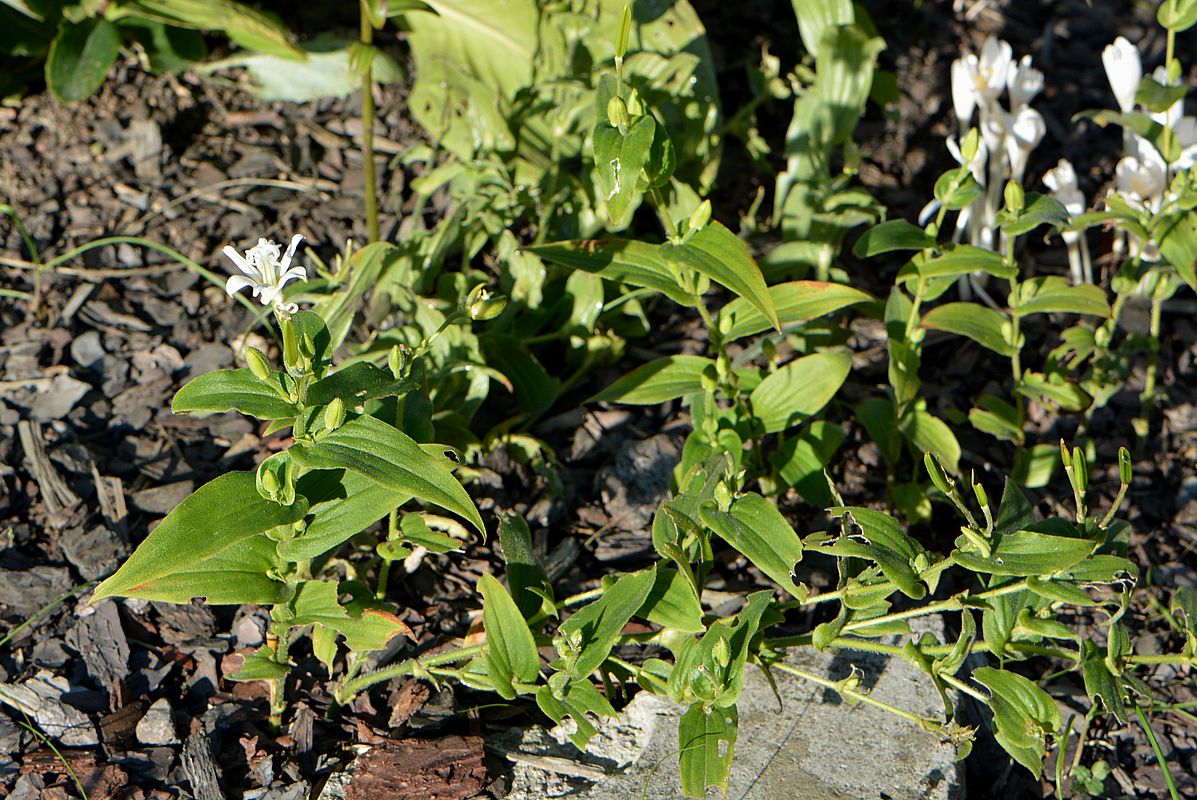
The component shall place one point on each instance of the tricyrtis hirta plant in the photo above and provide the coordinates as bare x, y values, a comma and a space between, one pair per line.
260, 536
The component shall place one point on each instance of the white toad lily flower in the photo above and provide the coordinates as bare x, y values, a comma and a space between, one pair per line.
1141, 178
1124, 70
1062, 182
1024, 132
266, 270
1023, 82
964, 88
992, 67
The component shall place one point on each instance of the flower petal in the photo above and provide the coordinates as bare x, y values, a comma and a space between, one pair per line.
287, 256
236, 283
240, 261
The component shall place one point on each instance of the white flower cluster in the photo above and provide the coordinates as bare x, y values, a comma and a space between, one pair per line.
266, 270
1008, 135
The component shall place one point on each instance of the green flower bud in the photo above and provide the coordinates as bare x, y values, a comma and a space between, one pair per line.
1125, 468
399, 360
625, 30
1065, 457
1015, 198
482, 304
1081, 469
617, 113
258, 364
276, 479
700, 216
979, 493
334, 414
721, 653
938, 477
968, 147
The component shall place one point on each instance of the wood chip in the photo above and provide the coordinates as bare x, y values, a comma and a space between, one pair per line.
200, 767
55, 493
449, 768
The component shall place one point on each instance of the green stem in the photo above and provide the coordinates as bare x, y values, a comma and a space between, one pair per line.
851, 694
1147, 396
372, 229
408, 667
658, 201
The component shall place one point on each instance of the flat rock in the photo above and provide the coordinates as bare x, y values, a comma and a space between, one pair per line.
157, 727
162, 499
63, 394
813, 747
40, 697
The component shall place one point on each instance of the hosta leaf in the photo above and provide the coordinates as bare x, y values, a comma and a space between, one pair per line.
718, 254
232, 390
220, 514
391, 458
796, 302
666, 378
246, 26
757, 529
621, 260
983, 325
894, 234
511, 656
799, 390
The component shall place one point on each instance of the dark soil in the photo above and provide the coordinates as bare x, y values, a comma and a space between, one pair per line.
91, 457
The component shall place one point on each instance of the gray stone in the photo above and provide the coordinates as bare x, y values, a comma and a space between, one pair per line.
162, 499
96, 552
157, 727
637, 482
87, 349
40, 697
59, 399
813, 747
27, 591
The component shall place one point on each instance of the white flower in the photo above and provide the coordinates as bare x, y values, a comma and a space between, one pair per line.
1174, 113
1063, 184
1140, 181
267, 270
992, 68
1124, 70
1024, 132
964, 87
1186, 136
1023, 82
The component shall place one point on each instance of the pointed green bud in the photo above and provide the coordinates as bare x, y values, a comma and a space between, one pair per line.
701, 216
982, 497
258, 364
269, 483
617, 113
1015, 198
721, 653
723, 496
1065, 456
1081, 469
398, 360
625, 31
334, 414
482, 304
935, 471
1125, 467
290, 344
968, 147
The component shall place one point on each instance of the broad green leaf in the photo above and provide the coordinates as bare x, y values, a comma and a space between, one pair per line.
666, 378
891, 235
671, 603
391, 458
80, 57
1014, 511
327, 70
525, 574
982, 324
799, 390
342, 505
222, 513
246, 26
596, 626
1027, 553
354, 384
755, 528
578, 701
261, 665
1179, 246
1177, 15
232, 390
1024, 715
1040, 209
706, 741
955, 261
1100, 684
999, 618
816, 17
237, 575
1051, 295
930, 434
364, 629
1059, 591
1054, 387
796, 302
802, 459
511, 656
621, 260
883, 542
995, 416
844, 67
718, 254
618, 162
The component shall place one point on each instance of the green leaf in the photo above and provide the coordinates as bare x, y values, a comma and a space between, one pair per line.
80, 57
799, 390
221, 514
1053, 294
529, 583
1014, 511
930, 434
391, 458
578, 701
1179, 246
355, 384
1040, 209
817, 17
236, 575
343, 504
666, 378
800, 460
620, 260
261, 665
718, 254
232, 390
1100, 684
596, 626
1024, 715
364, 628
327, 69
891, 235
1024, 553
246, 26
671, 603
884, 542
706, 741
1177, 15
996, 417
983, 325
755, 528
796, 302
1055, 388
511, 657
618, 161
955, 261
